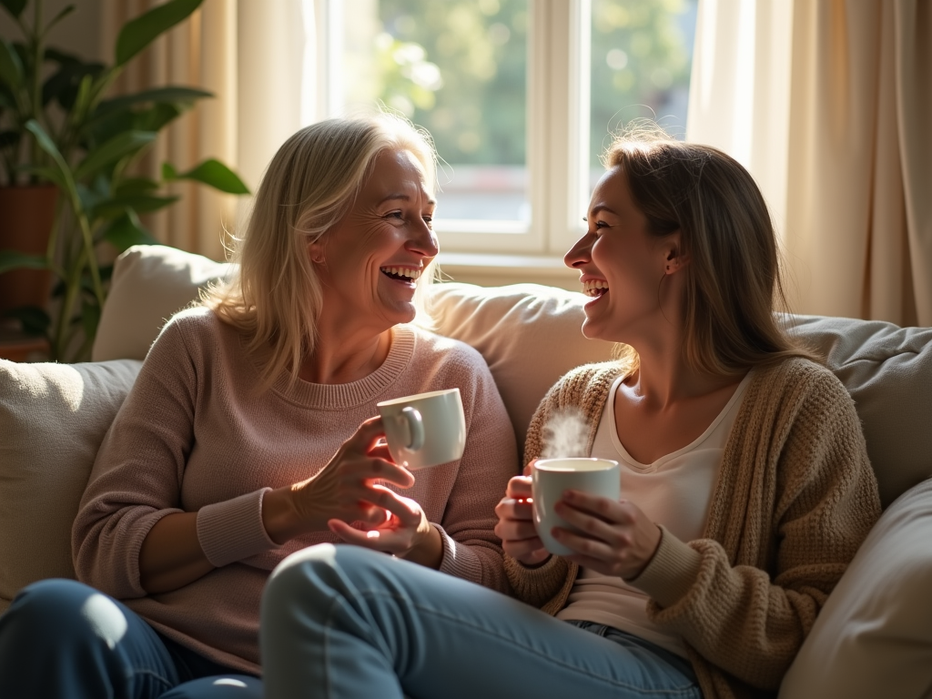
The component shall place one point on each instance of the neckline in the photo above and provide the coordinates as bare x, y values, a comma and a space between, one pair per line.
657, 463
344, 395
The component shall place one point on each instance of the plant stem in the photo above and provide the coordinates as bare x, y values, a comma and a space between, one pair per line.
36, 97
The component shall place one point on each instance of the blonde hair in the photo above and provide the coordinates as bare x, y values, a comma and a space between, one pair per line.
275, 295
733, 284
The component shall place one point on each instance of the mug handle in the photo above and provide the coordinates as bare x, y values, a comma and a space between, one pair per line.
415, 427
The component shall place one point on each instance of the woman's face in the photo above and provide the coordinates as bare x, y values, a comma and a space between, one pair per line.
621, 265
369, 263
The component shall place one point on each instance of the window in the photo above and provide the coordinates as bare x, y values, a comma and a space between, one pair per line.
519, 95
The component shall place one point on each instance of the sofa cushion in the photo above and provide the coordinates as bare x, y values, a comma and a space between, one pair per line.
873, 638
530, 334
52, 418
149, 284
888, 371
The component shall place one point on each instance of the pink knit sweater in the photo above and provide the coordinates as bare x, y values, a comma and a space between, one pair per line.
194, 435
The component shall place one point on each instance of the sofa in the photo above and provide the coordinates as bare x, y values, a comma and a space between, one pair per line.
873, 638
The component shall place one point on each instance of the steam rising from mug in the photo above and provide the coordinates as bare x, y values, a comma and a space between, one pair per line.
565, 434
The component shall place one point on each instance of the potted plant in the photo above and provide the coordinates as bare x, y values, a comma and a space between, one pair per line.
63, 134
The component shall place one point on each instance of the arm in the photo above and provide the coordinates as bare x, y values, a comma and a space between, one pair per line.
472, 550
746, 597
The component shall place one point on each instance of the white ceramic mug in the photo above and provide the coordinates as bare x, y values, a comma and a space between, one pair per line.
426, 429
550, 478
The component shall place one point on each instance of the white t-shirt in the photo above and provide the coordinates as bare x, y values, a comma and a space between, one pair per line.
675, 491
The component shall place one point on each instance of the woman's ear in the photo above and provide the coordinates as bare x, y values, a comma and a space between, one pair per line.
315, 251
674, 258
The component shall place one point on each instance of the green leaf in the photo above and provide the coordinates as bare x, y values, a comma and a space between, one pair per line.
162, 95
90, 316
14, 7
45, 174
135, 185
210, 172
127, 231
59, 17
140, 203
11, 68
142, 31
117, 147
14, 259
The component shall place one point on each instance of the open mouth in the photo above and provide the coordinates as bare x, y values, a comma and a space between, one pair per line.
402, 274
595, 288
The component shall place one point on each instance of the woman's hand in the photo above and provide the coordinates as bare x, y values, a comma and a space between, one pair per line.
404, 532
516, 523
617, 537
347, 489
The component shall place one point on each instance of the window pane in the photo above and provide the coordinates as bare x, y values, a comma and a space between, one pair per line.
641, 61
457, 68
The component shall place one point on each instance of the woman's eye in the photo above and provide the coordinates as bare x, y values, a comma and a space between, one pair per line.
396, 214
429, 220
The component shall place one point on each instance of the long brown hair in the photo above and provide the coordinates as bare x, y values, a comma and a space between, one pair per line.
733, 287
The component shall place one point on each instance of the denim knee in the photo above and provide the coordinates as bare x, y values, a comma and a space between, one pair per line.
74, 610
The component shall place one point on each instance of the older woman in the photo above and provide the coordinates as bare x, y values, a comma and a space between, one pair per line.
744, 475
239, 444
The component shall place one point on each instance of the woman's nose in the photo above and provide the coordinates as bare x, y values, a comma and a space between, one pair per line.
424, 240
579, 253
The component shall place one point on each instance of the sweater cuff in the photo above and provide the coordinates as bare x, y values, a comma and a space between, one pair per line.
232, 530
671, 573
460, 561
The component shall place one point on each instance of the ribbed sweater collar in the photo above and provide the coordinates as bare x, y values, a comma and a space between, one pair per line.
364, 391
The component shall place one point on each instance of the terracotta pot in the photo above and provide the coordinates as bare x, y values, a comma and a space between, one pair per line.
26, 218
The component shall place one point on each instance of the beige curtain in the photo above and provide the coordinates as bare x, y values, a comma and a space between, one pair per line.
827, 103
249, 54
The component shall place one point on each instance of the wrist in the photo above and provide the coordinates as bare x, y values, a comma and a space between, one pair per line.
280, 515
428, 550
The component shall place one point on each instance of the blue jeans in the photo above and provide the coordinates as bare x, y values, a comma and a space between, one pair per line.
63, 639
344, 622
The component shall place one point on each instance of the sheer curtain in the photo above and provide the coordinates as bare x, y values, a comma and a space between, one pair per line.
249, 54
824, 101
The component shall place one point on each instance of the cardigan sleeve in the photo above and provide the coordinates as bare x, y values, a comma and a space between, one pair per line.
804, 499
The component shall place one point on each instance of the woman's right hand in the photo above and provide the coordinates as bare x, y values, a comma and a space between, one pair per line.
516, 523
348, 489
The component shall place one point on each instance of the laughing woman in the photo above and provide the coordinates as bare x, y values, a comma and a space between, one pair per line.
745, 481
239, 445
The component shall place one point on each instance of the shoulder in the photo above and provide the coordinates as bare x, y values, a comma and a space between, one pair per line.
431, 348
588, 379
799, 378
192, 330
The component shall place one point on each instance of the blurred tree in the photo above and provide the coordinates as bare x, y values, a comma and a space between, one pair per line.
459, 68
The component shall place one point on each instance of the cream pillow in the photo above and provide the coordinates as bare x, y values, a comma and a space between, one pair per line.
888, 371
529, 334
873, 638
149, 284
52, 420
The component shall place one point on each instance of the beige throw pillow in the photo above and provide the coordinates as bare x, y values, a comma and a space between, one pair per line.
52, 420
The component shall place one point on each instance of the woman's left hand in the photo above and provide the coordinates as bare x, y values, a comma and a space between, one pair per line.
617, 537
405, 533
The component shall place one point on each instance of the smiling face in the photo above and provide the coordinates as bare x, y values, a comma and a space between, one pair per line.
621, 264
369, 263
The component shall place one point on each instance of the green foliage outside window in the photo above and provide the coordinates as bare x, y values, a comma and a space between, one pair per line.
459, 68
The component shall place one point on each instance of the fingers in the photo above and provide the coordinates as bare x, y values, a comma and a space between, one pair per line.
519, 487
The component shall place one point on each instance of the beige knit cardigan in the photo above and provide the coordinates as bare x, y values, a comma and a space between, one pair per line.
794, 499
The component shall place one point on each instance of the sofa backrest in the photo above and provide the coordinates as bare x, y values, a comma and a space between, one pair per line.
530, 335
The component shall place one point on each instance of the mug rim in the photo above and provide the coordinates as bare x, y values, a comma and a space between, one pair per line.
406, 400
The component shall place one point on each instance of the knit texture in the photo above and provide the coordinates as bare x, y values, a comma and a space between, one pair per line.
195, 435
795, 498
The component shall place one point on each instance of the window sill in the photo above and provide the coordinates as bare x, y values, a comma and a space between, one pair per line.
498, 270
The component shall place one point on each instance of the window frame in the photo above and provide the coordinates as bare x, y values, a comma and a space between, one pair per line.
557, 148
